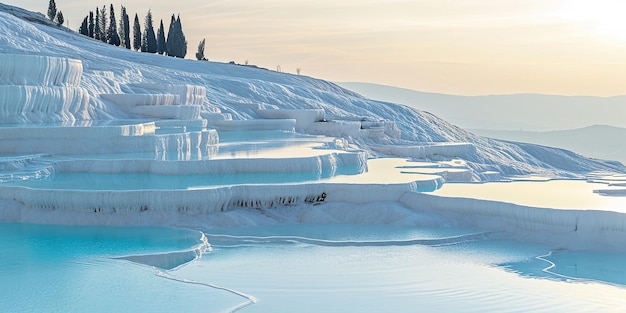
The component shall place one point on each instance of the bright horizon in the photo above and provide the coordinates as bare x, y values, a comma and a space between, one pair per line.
472, 47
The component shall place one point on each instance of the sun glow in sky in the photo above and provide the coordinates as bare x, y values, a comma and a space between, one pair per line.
471, 47
604, 18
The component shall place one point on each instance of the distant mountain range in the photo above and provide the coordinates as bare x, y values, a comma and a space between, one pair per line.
520, 112
591, 126
597, 141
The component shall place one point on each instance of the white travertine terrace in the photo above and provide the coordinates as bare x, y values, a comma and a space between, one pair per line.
37, 70
41, 89
161, 100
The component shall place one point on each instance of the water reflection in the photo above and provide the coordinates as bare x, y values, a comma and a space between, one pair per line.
574, 266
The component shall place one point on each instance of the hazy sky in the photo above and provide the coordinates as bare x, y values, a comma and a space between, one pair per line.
469, 47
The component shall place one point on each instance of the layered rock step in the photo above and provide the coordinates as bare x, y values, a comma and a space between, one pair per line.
356, 129
25, 167
134, 137
41, 89
429, 150
161, 101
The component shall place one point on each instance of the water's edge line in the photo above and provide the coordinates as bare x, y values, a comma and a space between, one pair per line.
250, 299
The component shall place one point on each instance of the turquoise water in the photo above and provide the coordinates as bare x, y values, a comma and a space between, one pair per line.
229, 136
73, 269
299, 268
574, 265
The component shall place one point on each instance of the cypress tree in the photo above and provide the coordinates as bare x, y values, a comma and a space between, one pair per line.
52, 10
200, 53
59, 19
136, 34
97, 31
112, 37
176, 42
125, 29
90, 34
171, 33
121, 30
84, 27
148, 43
103, 24
161, 43
183, 41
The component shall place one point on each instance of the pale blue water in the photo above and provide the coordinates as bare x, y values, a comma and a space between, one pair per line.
575, 265
380, 268
72, 269
466, 243
229, 136
229, 142
296, 268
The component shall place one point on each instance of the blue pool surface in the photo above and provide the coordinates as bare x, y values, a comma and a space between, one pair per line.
298, 268
74, 269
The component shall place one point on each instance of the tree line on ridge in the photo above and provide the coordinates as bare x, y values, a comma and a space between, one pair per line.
103, 26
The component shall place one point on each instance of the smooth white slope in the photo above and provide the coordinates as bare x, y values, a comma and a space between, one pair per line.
240, 90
